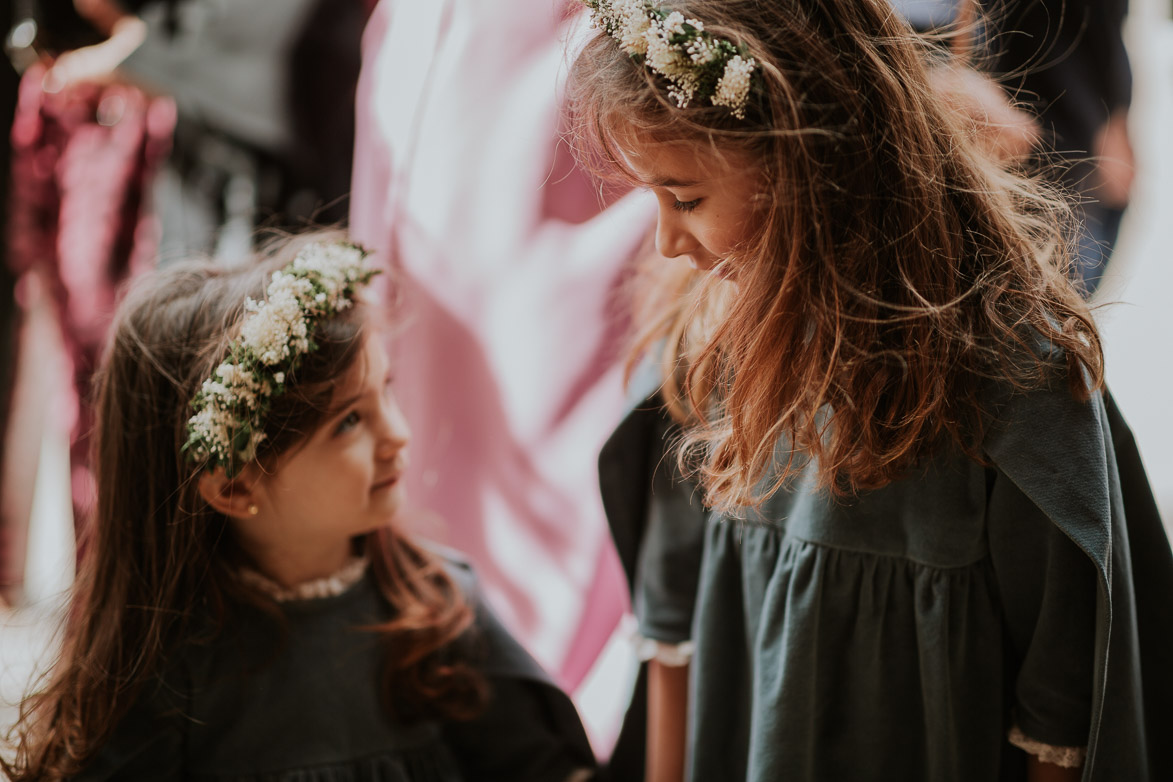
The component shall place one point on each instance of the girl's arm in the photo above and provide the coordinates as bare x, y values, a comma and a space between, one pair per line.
99, 62
667, 721
1049, 589
1038, 771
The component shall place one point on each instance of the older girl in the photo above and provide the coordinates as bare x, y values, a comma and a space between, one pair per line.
932, 554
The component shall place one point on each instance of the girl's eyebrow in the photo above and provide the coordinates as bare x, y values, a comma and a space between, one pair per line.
671, 183
341, 408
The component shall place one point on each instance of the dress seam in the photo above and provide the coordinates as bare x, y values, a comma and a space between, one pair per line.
786, 537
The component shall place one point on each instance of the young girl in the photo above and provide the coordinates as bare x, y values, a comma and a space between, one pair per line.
247, 608
932, 552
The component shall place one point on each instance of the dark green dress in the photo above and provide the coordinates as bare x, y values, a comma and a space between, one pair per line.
309, 710
900, 634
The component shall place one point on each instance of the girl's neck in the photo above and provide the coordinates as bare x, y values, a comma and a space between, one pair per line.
291, 566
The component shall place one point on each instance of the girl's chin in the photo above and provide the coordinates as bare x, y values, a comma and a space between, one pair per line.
386, 500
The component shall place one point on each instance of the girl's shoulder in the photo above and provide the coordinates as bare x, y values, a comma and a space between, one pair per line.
1075, 459
498, 653
529, 729
456, 564
1052, 410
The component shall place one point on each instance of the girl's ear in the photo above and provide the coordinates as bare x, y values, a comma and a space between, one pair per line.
234, 497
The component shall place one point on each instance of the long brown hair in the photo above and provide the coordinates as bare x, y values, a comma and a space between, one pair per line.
897, 271
161, 562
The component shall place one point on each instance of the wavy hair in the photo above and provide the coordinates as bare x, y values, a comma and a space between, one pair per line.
897, 270
161, 562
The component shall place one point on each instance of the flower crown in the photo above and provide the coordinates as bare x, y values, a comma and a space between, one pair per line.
231, 405
696, 65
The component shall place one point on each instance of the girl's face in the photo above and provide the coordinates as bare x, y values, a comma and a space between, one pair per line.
346, 479
708, 202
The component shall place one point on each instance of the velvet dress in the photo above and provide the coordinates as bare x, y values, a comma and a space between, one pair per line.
308, 708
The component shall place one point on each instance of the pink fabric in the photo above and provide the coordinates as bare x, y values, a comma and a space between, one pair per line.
82, 160
508, 366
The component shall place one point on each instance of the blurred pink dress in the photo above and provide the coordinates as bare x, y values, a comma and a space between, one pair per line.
509, 363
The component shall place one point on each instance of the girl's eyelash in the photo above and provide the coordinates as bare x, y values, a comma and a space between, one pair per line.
351, 419
686, 206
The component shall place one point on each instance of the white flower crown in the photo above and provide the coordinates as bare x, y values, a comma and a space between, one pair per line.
695, 64
231, 405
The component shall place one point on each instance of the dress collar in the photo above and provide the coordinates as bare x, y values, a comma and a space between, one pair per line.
332, 585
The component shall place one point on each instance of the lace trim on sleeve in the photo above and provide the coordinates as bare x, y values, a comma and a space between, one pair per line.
671, 655
647, 649
1065, 757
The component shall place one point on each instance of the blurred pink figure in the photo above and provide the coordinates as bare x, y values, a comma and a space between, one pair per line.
509, 366
82, 160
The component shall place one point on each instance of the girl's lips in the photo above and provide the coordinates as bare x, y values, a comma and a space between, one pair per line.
398, 468
718, 267
386, 482
703, 264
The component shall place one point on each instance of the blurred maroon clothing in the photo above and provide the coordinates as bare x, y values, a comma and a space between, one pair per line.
82, 161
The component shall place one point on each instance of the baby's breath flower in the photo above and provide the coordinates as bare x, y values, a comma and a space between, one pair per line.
674, 23
733, 87
633, 38
701, 51
662, 56
682, 90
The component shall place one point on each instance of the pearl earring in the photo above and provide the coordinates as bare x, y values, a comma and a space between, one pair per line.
253, 510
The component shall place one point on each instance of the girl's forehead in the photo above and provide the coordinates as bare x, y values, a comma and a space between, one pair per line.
377, 363
356, 374
371, 360
675, 162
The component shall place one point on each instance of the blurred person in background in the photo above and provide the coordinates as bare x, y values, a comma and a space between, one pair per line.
157, 130
9, 81
84, 151
265, 98
1065, 61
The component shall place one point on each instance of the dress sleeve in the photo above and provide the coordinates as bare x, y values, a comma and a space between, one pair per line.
530, 730
1048, 590
668, 566
147, 745
521, 736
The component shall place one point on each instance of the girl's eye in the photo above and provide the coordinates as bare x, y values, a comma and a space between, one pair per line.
686, 206
349, 422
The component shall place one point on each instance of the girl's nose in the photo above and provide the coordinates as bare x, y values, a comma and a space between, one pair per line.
672, 239
394, 432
